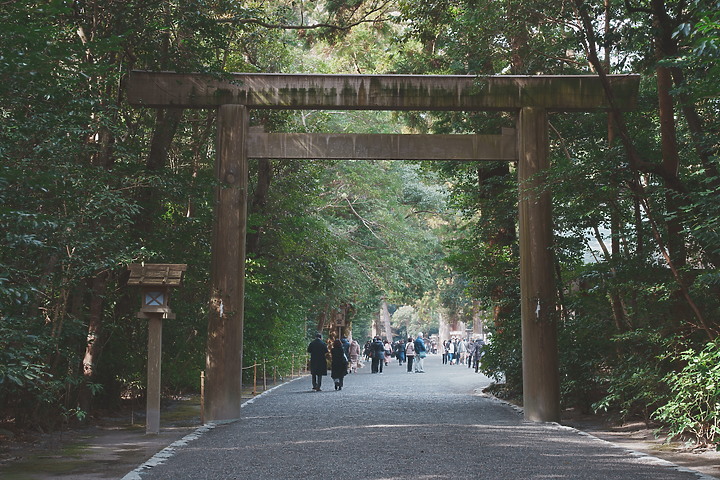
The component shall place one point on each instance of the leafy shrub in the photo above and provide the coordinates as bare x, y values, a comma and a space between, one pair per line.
694, 406
634, 380
502, 356
582, 356
24, 378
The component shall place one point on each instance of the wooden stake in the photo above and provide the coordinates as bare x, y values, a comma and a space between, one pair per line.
202, 398
152, 412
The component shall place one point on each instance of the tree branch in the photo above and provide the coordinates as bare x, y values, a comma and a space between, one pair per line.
636, 161
364, 18
281, 26
417, 212
364, 222
632, 9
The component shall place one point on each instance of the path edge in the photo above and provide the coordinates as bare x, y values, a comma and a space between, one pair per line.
168, 452
641, 456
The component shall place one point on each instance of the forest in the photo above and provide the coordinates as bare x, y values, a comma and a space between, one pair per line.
90, 184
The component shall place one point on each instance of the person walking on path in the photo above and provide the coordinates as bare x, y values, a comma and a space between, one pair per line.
346, 346
354, 351
400, 351
318, 364
461, 351
367, 350
378, 355
410, 353
420, 353
477, 355
451, 352
470, 352
339, 364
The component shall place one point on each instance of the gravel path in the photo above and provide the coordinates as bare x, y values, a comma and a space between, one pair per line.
395, 425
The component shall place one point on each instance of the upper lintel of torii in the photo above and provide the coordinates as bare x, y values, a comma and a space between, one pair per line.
381, 92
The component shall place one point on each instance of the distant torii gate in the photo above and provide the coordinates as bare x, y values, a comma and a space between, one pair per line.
532, 97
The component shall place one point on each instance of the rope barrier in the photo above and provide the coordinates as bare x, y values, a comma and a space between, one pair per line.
277, 375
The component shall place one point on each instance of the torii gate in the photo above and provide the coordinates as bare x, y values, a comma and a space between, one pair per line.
532, 97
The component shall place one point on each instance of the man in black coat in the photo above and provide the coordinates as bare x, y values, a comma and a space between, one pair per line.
318, 365
378, 355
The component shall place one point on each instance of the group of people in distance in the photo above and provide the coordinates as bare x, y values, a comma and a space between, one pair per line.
345, 356
458, 351
412, 351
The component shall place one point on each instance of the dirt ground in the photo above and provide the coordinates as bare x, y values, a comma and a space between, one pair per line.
112, 446
108, 447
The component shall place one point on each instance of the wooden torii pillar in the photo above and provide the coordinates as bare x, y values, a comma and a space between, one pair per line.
531, 97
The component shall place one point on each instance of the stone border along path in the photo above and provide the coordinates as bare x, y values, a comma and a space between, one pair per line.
168, 452
396, 425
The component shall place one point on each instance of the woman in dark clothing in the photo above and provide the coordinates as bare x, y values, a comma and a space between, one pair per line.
367, 351
339, 364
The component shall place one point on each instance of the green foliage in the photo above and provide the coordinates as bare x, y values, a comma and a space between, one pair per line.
700, 36
21, 367
502, 357
693, 406
624, 292
583, 354
27, 383
406, 321
634, 379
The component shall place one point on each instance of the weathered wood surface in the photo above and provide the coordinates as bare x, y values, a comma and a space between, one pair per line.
160, 274
154, 373
378, 92
223, 366
538, 304
383, 147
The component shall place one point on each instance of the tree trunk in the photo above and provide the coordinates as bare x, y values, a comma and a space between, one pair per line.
664, 47
504, 236
385, 320
199, 149
93, 346
478, 327
264, 178
616, 301
705, 150
166, 123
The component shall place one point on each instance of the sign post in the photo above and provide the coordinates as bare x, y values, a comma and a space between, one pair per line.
156, 279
